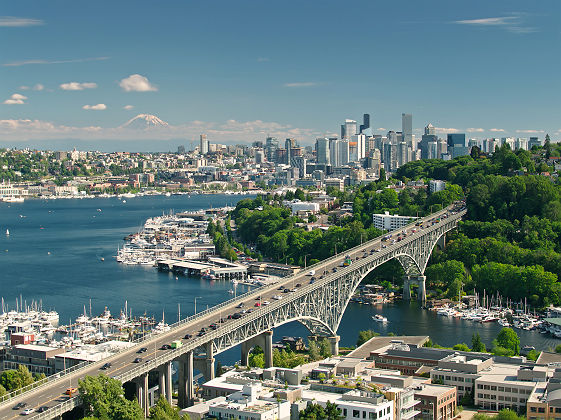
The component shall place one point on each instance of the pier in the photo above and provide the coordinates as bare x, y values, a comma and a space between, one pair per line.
214, 267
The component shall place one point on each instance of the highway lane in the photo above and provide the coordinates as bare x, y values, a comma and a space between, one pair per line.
123, 361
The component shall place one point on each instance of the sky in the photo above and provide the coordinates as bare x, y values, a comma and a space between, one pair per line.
241, 70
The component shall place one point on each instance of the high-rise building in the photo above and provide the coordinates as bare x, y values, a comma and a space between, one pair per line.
349, 129
343, 152
289, 144
322, 150
390, 157
203, 147
407, 130
457, 144
271, 145
534, 141
360, 140
430, 130
334, 151
365, 123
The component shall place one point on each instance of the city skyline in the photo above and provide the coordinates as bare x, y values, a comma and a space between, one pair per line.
490, 75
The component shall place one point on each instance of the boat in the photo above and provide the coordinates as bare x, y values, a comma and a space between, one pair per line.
380, 318
13, 199
7, 232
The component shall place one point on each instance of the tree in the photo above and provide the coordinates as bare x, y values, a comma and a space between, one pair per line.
325, 348
333, 411
164, 411
558, 348
103, 397
317, 412
547, 146
2, 391
476, 344
314, 350
364, 336
461, 347
508, 339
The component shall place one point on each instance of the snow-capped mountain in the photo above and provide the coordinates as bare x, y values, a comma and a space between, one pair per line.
144, 121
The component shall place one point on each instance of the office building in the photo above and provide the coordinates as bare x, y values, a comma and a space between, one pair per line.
334, 151
343, 152
428, 137
437, 402
365, 123
349, 129
436, 185
389, 157
271, 145
360, 140
407, 130
390, 222
534, 141
204, 145
457, 145
323, 154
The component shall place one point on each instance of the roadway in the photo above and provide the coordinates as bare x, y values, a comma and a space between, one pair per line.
52, 393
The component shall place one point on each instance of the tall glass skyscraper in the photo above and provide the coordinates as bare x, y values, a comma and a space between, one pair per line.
407, 130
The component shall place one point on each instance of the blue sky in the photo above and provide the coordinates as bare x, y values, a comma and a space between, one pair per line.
239, 70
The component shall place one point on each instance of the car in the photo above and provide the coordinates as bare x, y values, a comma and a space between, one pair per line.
137, 360
106, 366
222, 320
27, 411
165, 347
265, 303
281, 288
187, 336
250, 310
71, 390
278, 297
142, 350
298, 285
42, 409
240, 305
257, 304
258, 298
230, 316
286, 290
237, 315
243, 311
312, 281
213, 326
201, 333
19, 406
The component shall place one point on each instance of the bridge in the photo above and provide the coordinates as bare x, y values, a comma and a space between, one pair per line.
318, 302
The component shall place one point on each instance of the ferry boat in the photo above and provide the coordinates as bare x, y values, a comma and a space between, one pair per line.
380, 318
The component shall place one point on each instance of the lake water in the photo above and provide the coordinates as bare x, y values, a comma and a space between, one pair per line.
54, 252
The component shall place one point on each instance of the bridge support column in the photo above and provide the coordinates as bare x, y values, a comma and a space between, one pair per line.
334, 341
422, 291
164, 376
406, 288
142, 393
185, 390
265, 341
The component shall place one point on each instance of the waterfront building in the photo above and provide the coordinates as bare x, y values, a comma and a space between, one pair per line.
437, 402
390, 222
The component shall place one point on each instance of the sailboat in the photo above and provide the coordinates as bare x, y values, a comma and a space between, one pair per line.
7, 232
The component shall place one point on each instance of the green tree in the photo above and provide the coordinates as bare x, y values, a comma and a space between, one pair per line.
164, 411
317, 412
314, 351
2, 391
461, 347
508, 339
103, 397
558, 348
325, 348
364, 336
476, 344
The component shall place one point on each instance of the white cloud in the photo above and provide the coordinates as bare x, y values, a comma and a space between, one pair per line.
24, 87
475, 130
98, 107
137, 83
128, 107
14, 22
78, 86
512, 23
39, 87
442, 130
226, 131
76, 60
530, 131
300, 84
497, 130
15, 99
495, 21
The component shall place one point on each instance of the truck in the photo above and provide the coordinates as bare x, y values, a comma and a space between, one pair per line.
348, 261
176, 344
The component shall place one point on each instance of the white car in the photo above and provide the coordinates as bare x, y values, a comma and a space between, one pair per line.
27, 411
266, 302
277, 297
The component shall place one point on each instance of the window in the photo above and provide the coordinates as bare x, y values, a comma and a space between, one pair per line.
493, 388
372, 416
501, 389
540, 409
479, 386
356, 414
364, 414
558, 409
344, 412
